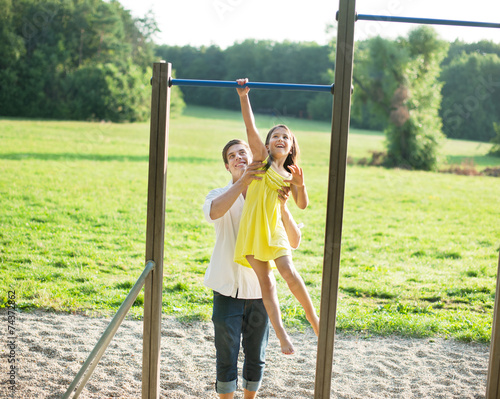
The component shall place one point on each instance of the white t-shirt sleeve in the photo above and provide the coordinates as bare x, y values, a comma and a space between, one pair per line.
222, 274
207, 206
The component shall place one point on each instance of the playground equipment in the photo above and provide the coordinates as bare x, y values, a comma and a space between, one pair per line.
426, 21
152, 276
252, 85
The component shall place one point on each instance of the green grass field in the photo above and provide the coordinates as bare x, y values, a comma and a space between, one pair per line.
419, 249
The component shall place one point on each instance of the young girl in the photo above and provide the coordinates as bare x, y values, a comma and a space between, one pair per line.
261, 236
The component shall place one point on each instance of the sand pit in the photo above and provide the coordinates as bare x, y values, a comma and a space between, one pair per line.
52, 347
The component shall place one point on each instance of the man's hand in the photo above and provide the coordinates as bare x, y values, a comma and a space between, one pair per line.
253, 171
283, 195
292, 230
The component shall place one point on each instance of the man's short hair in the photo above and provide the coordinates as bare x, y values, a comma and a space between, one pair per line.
229, 145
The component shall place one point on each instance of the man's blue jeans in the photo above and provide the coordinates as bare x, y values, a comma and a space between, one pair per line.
236, 319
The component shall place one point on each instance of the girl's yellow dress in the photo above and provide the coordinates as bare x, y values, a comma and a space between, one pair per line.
261, 232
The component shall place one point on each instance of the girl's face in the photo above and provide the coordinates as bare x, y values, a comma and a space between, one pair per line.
280, 143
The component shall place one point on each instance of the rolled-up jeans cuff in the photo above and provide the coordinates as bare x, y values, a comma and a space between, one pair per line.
252, 386
226, 387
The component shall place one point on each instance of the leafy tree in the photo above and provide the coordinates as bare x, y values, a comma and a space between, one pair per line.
397, 81
103, 92
471, 96
495, 149
11, 45
48, 48
196, 63
457, 48
378, 69
304, 63
414, 134
262, 60
250, 59
177, 103
320, 107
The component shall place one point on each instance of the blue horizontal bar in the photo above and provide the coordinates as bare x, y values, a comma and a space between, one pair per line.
365, 17
252, 85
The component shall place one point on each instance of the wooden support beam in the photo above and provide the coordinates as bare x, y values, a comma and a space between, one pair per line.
493, 381
155, 230
335, 202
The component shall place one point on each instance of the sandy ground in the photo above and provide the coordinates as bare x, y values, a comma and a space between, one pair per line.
50, 349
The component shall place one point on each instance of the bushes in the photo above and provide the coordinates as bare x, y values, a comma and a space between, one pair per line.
103, 92
92, 92
466, 168
413, 145
495, 150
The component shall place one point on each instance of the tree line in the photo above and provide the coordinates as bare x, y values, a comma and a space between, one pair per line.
467, 77
91, 60
264, 61
74, 59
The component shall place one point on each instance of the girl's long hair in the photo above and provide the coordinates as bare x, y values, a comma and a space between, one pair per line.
293, 157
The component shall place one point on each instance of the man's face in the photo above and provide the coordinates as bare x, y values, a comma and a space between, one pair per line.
238, 158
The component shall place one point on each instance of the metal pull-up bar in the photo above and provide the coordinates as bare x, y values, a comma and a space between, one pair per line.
428, 21
252, 85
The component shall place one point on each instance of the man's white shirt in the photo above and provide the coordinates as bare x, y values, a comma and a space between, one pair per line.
223, 275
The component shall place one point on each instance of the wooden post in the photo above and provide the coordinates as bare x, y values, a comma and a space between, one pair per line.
493, 381
155, 230
335, 204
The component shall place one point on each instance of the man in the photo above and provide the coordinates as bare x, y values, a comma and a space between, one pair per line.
238, 311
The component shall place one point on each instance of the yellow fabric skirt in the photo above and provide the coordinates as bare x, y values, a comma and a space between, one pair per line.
261, 232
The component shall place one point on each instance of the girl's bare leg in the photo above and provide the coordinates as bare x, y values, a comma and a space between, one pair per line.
298, 288
270, 298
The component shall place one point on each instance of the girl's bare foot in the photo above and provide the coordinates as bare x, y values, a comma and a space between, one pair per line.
286, 345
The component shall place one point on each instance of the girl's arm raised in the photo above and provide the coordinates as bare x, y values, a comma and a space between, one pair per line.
257, 147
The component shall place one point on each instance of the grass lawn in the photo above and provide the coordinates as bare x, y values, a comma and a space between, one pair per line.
419, 249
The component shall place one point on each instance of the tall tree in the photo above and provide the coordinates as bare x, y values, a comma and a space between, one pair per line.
495, 149
414, 134
457, 48
11, 44
378, 69
259, 60
471, 96
399, 82
48, 49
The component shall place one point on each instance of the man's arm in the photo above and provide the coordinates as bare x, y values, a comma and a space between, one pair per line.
225, 201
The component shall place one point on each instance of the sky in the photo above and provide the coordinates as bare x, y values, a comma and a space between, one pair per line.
224, 22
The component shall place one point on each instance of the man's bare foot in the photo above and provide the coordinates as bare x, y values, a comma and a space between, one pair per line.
287, 346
